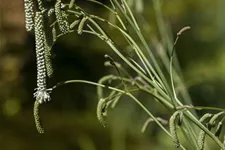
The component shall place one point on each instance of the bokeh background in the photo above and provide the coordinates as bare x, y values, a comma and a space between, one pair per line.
70, 118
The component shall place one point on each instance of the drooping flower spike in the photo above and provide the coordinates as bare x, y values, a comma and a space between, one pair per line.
29, 14
61, 17
42, 93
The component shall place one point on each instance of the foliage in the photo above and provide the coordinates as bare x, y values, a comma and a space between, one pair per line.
149, 75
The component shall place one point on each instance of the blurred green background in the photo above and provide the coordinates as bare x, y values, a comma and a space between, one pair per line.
70, 118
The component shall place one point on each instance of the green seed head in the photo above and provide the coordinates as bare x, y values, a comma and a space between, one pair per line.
101, 111
37, 120
173, 130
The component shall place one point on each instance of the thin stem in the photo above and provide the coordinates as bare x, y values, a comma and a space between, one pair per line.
208, 108
172, 83
87, 82
131, 14
201, 108
168, 41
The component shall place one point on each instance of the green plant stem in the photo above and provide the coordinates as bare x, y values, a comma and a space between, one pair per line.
174, 99
86, 82
208, 108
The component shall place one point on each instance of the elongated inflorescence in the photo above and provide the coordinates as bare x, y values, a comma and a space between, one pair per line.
81, 25
40, 5
48, 46
71, 3
201, 139
49, 41
101, 112
37, 120
61, 17
73, 24
205, 117
149, 120
40, 49
173, 130
202, 134
41, 94
51, 11
214, 118
48, 62
29, 14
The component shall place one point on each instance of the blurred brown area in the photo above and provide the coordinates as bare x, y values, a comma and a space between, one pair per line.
12, 41
69, 119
